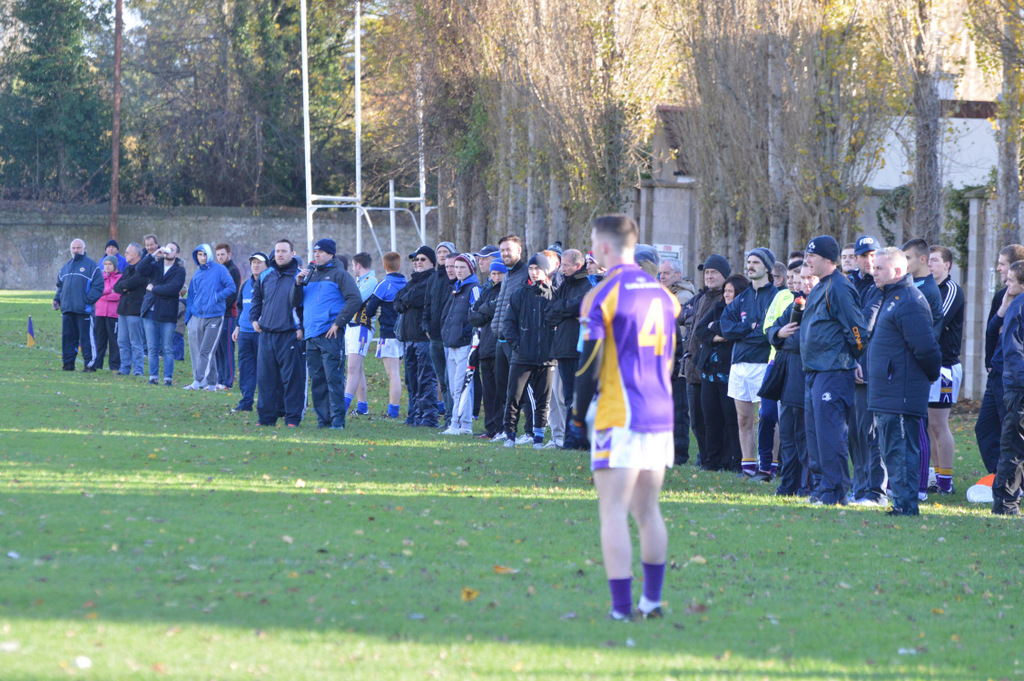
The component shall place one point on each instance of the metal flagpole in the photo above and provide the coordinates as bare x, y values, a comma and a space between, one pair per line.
359, 125
305, 132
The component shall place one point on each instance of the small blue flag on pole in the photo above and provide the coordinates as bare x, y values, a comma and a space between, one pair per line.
31, 334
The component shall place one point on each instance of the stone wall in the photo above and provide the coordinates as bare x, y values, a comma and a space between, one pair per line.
35, 238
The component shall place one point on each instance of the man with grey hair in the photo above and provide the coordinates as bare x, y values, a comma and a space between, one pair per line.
130, 334
79, 286
563, 316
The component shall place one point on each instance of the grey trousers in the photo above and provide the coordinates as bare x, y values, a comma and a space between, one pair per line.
203, 336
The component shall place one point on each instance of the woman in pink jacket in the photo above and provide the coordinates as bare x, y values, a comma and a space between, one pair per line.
106, 316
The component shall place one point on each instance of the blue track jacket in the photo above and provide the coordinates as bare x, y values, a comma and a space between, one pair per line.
329, 295
79, 285
210, 288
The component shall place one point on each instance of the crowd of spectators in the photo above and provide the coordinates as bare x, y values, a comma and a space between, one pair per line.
788, 373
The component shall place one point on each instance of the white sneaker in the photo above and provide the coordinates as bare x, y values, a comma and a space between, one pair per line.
465, 431
500, 437
221, 386
870, 502
552, 445
537, 445
524, 439
510, 443
452, 431
922, 496
194, 385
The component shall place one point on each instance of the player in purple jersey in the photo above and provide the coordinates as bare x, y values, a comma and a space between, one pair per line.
628, 337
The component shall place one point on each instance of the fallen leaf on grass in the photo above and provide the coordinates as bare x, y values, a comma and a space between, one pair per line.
502, 570
83, 662
300, 483
569, 616
694, 608
286, 539
469, 594
9, 646
698, 560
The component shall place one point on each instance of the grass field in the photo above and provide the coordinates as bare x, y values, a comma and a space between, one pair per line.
145, 532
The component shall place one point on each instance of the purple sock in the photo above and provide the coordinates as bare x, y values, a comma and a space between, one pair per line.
654, 575
622, 599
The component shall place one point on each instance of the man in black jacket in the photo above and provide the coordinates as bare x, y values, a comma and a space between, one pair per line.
438, 293
132, 287
420, 380
79, 286
160, 307
990, 416
226, 346
481, 316
530, 340
281, 373
564, 317
511, 248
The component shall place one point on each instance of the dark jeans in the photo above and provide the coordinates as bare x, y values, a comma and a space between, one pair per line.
539, 380
681, 425
1006, 486
440, 364
248, 357
281, 378
721, 427
865, 453
794, 473
828, 399
502, 369
421, 382
327, 374
899, 437
768, 419
693, 399
226, 352
990, 421
77, 332
492, 406
567, 373
106, 336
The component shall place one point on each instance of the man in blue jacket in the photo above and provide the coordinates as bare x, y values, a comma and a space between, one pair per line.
831, 340
329, 298
742, 322
79, 286
1006, 486
245, 336
281, 373
903, 361
208, 292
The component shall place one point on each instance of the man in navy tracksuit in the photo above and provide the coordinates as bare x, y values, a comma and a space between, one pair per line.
831, 340
329, 298
79, 286
903, 360
281, 372
1006, 487
865, 452
245, 336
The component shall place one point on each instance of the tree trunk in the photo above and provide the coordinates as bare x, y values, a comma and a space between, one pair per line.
558, 227
1008, 171
478, 226
463, 192
927, 215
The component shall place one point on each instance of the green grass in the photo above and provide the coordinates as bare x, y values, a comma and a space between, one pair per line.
158, 536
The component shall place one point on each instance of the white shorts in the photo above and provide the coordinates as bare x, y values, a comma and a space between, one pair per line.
745, 380
390, 347
357, 340
944, 391
623, 448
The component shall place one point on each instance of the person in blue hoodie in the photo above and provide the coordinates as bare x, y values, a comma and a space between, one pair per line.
79, 286
831, 339
329, 298
208, 293
281, 372
903, 360
245, 337
389, 349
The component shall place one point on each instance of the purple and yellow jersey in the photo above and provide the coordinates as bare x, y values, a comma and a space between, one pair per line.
636, 317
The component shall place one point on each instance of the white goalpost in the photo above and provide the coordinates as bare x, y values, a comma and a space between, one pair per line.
315, 202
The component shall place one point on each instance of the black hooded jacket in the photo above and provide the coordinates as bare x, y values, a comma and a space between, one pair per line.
439, 290
410, 302
564, 314
524, 328
272, 305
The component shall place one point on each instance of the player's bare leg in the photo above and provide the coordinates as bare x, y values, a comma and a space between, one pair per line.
746, 414
392, 365
943, 448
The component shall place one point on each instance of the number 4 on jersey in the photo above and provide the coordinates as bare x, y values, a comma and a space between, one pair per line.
652, 332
